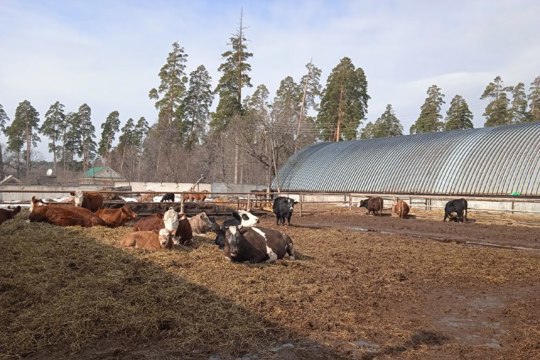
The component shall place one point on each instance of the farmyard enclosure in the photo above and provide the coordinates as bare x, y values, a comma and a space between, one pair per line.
362, 287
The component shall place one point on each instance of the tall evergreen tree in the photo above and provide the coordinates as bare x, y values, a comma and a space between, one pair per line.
518, 109
497, 112
343, 103
109, 129
534, 100
126, 141
52, 128
235, 69
87, 134
71, 139
23, 129
387, 124
169, 130
458, 116
311, 90
430, 113
196, 106
4, 119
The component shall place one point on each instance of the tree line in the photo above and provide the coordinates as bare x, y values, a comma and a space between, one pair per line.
246, 138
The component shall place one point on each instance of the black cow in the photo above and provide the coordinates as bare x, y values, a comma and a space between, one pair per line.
457, 206
168, 197
283, 207
373, 204
240, 217
256, 244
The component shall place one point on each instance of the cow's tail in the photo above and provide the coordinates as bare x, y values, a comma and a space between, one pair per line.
401, 210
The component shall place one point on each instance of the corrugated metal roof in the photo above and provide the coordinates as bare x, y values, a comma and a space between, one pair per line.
487, 161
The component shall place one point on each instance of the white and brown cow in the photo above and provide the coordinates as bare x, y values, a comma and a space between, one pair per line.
201, 224
90, 200
255, 244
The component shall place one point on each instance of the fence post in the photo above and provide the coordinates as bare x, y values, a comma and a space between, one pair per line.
182, 202
301, 198
350, 202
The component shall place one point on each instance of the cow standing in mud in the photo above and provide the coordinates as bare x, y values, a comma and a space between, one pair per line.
458, 206
401, 209
283, 207
373, 205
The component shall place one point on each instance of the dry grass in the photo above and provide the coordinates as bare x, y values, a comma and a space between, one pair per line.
74, 291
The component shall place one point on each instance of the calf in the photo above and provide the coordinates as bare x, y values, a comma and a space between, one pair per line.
183, 234
240, 217
457, 206
149, 240
201, 224
373, 205
7, 214
283, 208
168, 197
92, 201
62, 215
116, 217
256, 244
168, 220
401, 209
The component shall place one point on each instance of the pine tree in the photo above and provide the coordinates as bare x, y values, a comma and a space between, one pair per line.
88, 148
126, 141
311, 89
4, 119
497, 111
458, 116
52, 128
534, 100
387, 125
196, 106
518, 109
430, 113
23, 130
344, 102
109, 129
170, 94
71, 139
235, 69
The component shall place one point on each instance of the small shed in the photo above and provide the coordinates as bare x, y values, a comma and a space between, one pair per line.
101, 175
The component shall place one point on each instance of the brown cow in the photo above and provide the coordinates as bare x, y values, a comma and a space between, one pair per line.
148, 223
373, 204
195, 196
7, 214
146, 197
401, 209
92, 201
184, 233
62, 215
116, 217
149, 240
201, 223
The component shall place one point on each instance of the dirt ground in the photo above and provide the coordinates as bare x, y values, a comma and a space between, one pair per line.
362, 287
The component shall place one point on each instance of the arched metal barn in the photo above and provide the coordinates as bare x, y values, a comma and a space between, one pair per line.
491, 161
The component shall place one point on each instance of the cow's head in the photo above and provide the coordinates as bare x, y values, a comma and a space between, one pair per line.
78, 197
232, 240
363, 203
207, 224
165, 238
246, 218
170, 219
35, 202
130, 214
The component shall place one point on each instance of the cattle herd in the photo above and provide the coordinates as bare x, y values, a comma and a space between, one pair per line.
238, 236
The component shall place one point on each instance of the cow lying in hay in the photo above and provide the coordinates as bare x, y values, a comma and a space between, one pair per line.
7, 214
177, 224
116, 217
256, 244
149, 240
62, 215
240, 217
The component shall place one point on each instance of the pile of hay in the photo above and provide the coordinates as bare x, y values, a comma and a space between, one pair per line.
74, 291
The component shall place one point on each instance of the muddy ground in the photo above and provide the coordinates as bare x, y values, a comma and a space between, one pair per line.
362, 287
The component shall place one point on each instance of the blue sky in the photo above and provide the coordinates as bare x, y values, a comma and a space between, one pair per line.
108, 53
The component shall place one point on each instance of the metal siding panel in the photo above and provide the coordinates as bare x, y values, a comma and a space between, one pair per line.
488, 161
